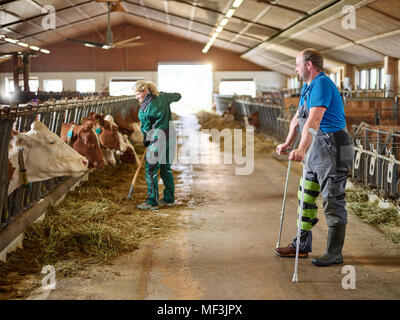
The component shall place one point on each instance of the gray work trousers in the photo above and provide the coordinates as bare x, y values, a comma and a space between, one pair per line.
324, 169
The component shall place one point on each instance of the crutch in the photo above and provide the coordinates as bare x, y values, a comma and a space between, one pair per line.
135, 177
305, 167
284, 196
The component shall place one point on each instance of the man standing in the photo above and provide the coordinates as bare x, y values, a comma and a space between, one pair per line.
320, 108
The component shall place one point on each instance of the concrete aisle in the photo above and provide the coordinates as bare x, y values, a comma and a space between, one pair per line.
226, 249
227, 252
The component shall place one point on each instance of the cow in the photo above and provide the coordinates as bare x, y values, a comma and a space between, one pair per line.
107, 133
83, 139
130, 127
108, 156
123, 125
137, 135
254, 120
43, 155
127, 151
229, 113
132, 116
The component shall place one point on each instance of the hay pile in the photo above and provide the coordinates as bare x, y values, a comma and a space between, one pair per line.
88, 227
386, 220
208, 120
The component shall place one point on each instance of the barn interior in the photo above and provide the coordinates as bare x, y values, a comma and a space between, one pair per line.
233, 62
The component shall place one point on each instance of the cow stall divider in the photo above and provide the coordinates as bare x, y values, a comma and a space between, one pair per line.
51, 114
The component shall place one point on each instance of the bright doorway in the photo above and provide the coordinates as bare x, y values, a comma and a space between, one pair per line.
192, 81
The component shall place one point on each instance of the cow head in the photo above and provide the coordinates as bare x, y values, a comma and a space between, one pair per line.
108, 157
109, 134
122, 124
137, 134
84, 141
254, 119
45, 155
128, 151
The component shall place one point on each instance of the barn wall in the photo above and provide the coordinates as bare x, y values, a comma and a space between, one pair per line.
160, 47
262, 78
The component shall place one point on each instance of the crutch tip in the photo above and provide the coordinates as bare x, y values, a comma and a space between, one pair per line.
295, 279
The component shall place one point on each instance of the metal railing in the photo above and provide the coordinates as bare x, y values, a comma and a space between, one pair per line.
377, 152
376, 161
52, 115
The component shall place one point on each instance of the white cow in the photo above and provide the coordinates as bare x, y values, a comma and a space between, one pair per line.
44, 155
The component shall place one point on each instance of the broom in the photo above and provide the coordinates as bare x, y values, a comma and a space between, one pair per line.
135, 177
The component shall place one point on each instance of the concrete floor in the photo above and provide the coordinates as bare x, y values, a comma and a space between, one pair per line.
226, 251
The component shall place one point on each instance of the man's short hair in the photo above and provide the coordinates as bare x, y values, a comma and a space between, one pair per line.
315, 57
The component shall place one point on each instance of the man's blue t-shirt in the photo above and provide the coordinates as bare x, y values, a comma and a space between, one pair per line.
322, 91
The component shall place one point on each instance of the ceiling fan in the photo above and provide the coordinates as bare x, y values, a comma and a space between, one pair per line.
109, 36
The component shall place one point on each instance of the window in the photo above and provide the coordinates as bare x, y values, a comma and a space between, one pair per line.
382, 78
238, 87
363, 79
85, 85
122, 87
33, 85
373, 78
9, 85
52, 85
335, 77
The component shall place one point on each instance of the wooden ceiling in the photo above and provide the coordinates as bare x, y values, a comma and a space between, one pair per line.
266, 32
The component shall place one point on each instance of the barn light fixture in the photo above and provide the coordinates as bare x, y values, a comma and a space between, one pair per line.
222, 24
230, 13
22, 44
237, 3
10, 40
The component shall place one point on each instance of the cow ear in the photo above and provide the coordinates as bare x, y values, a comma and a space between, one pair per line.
20, 140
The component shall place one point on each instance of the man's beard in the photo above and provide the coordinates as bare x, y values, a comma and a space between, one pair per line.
305, 77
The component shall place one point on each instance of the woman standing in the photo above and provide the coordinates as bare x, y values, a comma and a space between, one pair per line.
160, 137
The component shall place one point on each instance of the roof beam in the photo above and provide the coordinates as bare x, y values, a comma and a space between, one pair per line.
222, 13
43, 14
326, 14
196, 32
60, 27
188, 19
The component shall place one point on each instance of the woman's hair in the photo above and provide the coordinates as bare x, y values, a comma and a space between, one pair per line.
142, 85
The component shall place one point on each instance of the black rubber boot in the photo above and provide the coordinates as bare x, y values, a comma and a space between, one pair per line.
333, 253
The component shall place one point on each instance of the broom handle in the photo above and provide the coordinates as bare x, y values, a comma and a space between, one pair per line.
138, 169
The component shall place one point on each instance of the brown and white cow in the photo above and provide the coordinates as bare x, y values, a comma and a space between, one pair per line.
126, 151
83, 139
130, 127
44, 156
254, 119
107, 133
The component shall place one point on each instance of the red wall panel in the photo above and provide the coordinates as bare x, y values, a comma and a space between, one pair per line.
160, 47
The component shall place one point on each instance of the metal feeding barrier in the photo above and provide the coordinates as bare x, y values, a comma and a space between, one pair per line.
376, 161
52, 114
376, 151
